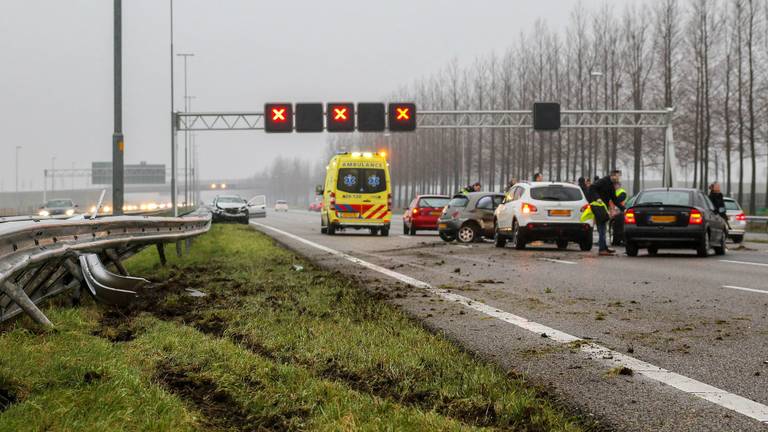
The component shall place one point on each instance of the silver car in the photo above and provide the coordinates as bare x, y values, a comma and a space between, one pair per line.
257, 207
229, 208
58, 207
737, 220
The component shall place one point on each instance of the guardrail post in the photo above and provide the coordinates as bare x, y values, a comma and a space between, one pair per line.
161, 253
20, 297
188, 244
179, 250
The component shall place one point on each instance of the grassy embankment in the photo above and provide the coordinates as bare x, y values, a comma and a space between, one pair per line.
268, 348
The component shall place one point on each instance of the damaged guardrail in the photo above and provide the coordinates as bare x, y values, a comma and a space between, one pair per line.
40, 259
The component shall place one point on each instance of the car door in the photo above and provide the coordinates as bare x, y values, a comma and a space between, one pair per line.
484, 212
714, 221
503, 211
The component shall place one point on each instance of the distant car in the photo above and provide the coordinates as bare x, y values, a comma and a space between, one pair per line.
230, 208
423, 213
316, 206
674, 218
736, 219
58, 207
543, 211
257, 207
468, 218
281, 205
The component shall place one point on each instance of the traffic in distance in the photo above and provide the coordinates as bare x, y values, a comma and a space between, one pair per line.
356, 195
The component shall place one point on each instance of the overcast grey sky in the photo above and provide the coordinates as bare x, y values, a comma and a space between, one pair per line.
56, 68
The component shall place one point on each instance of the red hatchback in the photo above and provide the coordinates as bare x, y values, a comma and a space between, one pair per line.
423, 213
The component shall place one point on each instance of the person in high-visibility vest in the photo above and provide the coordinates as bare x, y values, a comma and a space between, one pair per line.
600, 193
617, 222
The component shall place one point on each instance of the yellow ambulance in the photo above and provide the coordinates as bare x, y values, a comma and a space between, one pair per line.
357, 194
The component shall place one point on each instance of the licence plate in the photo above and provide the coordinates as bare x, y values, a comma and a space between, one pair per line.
436, 213
349, 215
560, 213
442, 226
663, 219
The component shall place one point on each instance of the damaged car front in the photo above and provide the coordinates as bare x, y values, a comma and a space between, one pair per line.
227, 208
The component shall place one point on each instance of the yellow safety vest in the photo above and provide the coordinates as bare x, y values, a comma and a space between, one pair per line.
587, 215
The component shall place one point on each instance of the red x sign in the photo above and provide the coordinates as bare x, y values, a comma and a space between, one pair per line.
278, 114
402, 114
340, 114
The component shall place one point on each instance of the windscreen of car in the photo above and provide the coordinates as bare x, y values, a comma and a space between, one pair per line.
280, 202
434, 202
362, 180
229, 200
556, 193
59, 203
731, 205
679, 198
459, 201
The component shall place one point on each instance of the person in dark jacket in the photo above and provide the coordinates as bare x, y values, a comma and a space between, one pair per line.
583, 185
599, 195
716, 196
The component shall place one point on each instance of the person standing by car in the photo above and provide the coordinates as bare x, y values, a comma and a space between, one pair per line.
538, 177
600, 194
476, 187
583, 185
617, 220
716, 196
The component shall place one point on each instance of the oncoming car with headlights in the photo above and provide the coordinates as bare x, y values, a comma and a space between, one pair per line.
58, 207
230, 208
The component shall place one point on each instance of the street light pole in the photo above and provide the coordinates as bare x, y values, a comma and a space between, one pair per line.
186, 57
118, 144
173, 131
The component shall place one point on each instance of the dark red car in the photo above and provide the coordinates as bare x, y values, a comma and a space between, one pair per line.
423, 212
316, 206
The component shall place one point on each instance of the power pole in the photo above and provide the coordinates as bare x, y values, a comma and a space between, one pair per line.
118, 146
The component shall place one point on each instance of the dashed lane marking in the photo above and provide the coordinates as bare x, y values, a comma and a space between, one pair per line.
596, 352
558, 261
745, 289
745, 263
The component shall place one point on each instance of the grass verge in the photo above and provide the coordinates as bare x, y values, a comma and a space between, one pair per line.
269, 347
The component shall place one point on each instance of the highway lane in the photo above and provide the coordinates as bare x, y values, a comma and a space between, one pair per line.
671, 310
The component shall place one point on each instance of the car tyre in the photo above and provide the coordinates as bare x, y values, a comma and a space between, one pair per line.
446, 237
467, 233
323, 230
720, 248
384, 231
703, 249
653, 250
331, 230
586, 244
517, 237
737, 239
562, 244
374, 231
499, 240
631, 248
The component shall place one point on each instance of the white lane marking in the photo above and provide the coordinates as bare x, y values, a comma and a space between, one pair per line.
745, 263
745, 289
557, 261
597, 352
404, 236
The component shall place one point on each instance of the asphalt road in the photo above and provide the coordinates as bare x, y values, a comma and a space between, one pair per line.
704, 319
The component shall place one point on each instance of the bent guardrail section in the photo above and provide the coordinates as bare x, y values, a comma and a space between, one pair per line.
43, 258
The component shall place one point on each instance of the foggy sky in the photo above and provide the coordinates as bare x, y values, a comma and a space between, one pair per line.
56, 69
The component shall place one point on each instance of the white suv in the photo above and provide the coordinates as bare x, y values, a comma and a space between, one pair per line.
543, 211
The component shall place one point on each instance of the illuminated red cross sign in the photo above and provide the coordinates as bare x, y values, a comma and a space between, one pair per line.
340, 117
278, 117
402, 117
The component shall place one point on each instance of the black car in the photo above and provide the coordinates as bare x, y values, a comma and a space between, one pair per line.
673, 218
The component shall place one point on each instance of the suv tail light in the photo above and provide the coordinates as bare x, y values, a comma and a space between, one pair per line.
529, 208
741, 217
584, 208
629, 217
695, 218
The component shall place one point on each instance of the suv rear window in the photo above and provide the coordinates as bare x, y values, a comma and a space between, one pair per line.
556, 193
433, 202
680, 198
361, 180
459, 201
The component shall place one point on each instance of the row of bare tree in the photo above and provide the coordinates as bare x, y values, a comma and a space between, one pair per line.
702, 57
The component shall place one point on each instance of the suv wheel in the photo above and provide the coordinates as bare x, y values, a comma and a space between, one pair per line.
631, 248
586, 243
447, 237
562, 244
467, 233
498, 238
517, 236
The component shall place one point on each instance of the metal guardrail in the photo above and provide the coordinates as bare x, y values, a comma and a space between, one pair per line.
758, 219
43, 258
